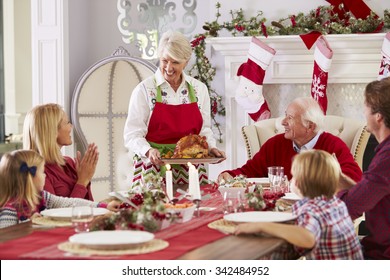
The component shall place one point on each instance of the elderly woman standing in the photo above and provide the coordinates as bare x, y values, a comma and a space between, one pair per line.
46, 130
166, 107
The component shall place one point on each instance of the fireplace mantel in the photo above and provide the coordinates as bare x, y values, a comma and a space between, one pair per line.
355, 57
356, 61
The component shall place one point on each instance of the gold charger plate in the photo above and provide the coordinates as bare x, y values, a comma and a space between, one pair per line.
192, 160
148, 247
223, 226
46, 221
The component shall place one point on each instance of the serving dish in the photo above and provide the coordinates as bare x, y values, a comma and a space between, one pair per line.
191, 160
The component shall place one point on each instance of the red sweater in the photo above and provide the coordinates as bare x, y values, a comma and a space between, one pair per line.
62, 181
278, 151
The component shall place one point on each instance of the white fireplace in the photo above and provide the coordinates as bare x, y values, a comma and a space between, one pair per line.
356, 61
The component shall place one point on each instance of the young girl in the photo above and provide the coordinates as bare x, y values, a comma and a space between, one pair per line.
323, 229
22, 179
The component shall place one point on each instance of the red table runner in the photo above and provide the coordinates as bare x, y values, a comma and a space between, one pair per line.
182, 238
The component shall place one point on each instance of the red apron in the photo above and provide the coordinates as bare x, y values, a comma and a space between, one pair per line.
168, 123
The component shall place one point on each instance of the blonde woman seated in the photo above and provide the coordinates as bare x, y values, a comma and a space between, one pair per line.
46, 130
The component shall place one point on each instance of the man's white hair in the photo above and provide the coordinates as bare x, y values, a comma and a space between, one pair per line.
312, 112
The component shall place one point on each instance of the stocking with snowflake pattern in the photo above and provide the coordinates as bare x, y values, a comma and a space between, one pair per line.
322, 61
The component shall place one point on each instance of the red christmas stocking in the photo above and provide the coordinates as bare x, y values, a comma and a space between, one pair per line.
384, 70
322, 61
249, 93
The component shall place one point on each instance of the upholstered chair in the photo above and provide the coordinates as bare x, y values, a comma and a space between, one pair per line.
351, 131
99, 111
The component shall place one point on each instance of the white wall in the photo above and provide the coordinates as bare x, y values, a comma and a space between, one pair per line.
22, 59
17, 62
93, 31
93, 34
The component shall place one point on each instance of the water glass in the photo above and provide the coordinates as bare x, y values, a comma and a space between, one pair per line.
82, 216
233, 202
275, 176
285, 184
240, 202
228, 203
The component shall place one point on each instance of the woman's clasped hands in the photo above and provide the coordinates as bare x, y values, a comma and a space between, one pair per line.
86, 165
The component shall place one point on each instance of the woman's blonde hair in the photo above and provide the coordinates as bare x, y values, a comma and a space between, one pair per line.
41, 129
16, 183
316, 173
176, 45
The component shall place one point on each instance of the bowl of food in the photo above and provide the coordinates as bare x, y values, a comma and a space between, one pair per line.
184, 211
235, 186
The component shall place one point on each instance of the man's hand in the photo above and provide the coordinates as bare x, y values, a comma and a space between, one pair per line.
224, 176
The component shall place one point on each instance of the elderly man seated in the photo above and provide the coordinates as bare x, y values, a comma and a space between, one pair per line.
303, 130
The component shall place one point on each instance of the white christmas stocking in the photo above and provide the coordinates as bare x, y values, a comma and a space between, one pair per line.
249, 93
322, 60
384, 70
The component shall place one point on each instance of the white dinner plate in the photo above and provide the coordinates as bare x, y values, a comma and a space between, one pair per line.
259, 216
66, 213
111, 239
291, 196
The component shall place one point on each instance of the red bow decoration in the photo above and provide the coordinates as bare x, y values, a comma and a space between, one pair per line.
357, 7
310, 38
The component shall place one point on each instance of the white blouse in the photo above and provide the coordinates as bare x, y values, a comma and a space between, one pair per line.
141, 107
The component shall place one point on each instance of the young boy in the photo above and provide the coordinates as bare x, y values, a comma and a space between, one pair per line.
323, 229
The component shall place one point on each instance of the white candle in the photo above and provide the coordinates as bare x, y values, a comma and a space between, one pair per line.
168, 182
193, 180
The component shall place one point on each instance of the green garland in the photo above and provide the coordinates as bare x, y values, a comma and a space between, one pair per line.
321, 19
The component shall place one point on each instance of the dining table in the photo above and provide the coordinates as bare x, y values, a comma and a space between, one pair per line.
192, 240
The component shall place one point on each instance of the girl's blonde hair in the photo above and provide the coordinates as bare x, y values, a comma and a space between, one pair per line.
41, 129
316, 173
17, 184
176, 45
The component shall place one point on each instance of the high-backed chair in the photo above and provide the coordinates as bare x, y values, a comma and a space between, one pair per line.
99, 111
351, 131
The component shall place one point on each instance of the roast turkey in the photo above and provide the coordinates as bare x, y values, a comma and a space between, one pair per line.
191, 146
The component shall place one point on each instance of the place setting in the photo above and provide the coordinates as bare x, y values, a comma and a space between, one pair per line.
115, 242
245, 200
63, 217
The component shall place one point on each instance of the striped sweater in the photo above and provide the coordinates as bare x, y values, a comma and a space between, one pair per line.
9, 215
